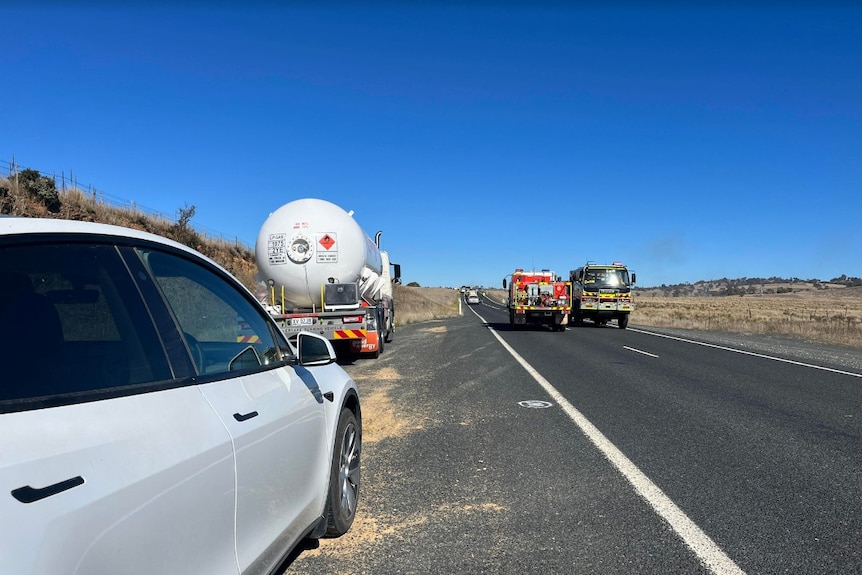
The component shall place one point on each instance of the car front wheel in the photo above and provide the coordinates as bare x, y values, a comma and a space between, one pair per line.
344, 476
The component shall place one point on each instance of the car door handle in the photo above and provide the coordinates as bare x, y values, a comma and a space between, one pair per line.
29, 494
243, 417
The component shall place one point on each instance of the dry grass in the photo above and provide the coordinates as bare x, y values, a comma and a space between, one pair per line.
415, 304
831, 316
76, 205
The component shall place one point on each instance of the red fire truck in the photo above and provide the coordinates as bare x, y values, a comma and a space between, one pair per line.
538, 297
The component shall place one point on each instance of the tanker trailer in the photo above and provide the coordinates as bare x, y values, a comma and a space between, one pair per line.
325, 275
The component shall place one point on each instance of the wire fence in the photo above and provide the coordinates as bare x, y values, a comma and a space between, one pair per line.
68, 182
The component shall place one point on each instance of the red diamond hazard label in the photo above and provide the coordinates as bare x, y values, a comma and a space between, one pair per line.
327, 241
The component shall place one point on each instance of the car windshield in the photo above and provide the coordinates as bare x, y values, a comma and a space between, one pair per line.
606, 278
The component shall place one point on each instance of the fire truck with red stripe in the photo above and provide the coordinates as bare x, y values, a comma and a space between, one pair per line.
539, 298
602, 292
326, 276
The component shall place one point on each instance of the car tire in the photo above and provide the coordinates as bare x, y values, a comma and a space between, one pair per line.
343, 493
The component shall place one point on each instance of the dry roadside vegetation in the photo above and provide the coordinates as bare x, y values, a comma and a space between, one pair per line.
829, 316
36, 196
415, 304
826, 315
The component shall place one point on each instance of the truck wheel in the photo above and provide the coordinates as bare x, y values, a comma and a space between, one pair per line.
343, 476
577, 318
623, 321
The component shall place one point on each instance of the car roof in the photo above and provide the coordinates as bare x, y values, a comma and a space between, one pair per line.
19, 225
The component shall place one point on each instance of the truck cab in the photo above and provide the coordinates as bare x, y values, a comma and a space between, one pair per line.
602, 292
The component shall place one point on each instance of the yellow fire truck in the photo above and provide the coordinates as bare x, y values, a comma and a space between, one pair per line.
602, 292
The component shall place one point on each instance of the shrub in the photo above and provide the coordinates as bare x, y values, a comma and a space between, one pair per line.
41, 188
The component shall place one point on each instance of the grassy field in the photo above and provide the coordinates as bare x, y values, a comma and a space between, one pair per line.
832, 316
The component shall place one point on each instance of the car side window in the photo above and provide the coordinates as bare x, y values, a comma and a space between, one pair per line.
73, 327
224, 331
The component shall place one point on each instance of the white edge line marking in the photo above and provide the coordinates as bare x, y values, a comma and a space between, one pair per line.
754, 354
699, 542
639, 351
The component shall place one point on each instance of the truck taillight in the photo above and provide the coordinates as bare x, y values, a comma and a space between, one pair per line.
353, 318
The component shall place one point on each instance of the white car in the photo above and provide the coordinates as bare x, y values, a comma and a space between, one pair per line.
153, 418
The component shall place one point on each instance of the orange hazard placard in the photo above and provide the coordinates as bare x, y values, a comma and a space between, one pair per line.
327, 241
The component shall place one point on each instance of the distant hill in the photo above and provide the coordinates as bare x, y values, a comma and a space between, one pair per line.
751, 286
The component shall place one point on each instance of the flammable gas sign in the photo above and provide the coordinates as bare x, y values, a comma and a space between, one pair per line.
329, 243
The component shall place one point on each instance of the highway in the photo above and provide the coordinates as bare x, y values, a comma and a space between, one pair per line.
599, 450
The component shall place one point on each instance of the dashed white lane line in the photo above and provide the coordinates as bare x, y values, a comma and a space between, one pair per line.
751, 353
639, 351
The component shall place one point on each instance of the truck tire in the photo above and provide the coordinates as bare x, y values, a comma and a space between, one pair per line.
623, 321
577, 317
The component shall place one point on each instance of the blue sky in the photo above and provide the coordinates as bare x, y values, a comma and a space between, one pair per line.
691, 142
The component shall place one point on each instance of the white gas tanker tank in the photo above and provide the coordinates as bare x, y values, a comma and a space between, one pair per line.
310, 242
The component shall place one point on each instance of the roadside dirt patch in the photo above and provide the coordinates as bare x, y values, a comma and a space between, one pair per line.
383, 418
470, 508
380, 419
369, 530
365, 531
435, 329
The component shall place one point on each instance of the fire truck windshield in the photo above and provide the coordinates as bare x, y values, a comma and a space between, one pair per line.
606, 278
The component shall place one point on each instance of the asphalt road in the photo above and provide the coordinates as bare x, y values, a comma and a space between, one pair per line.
599, 450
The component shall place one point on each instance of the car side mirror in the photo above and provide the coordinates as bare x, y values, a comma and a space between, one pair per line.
313, 349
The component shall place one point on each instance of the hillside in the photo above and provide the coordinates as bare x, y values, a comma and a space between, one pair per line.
749, 286
35, 195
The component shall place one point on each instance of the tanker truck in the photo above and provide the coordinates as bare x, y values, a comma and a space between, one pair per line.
325, 275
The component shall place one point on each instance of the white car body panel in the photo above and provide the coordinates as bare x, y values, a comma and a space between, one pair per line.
282, 456
142, 457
